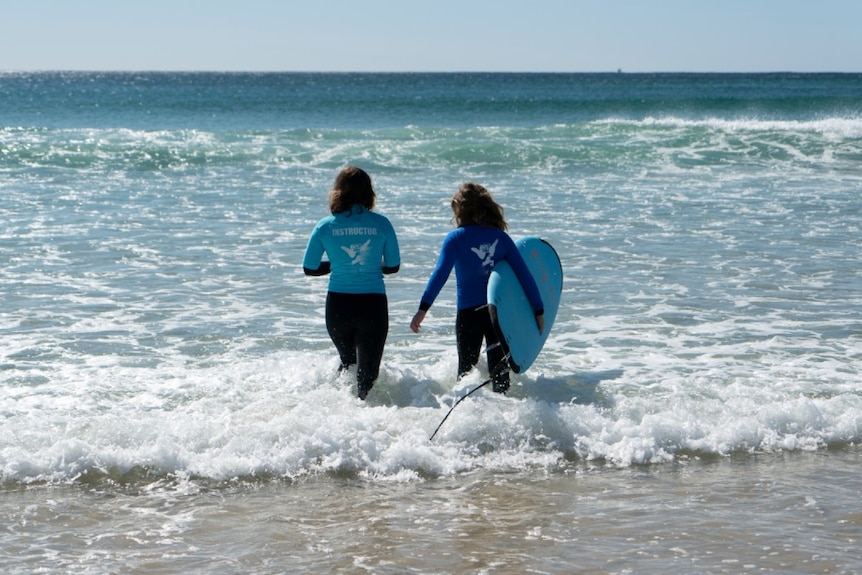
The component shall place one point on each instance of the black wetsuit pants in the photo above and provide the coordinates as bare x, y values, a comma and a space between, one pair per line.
471, 327
358, 325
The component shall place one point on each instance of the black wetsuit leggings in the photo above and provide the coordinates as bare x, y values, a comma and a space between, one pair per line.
471, 327
358, 325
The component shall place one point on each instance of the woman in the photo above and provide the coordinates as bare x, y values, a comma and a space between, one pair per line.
361, 246
473, 248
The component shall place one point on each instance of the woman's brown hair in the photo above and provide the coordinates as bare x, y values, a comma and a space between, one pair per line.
352, 186
473, 204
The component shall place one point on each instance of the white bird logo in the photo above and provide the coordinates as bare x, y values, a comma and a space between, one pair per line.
485, 252
357, 252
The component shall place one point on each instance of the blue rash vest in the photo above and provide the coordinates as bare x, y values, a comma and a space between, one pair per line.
473, 250
359, 243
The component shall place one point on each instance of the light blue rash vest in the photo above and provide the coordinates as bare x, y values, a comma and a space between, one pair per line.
473, 251
359, 243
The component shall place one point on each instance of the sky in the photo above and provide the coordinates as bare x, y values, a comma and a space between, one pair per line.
432, 36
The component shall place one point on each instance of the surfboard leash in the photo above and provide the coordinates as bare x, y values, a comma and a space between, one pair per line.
497, 371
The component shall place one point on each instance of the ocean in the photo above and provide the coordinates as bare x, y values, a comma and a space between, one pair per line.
170, 400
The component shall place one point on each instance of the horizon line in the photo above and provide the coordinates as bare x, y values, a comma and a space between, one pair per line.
620, 71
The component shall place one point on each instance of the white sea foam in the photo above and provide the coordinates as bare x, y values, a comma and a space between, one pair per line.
837, 128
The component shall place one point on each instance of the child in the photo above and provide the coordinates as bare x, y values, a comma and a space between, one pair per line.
473, 248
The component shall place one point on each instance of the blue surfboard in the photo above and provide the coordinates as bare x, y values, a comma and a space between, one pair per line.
511, 314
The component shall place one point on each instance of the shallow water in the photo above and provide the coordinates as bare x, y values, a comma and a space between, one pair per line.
778, 513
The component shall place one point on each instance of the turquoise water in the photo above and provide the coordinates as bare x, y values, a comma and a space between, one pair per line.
162, 349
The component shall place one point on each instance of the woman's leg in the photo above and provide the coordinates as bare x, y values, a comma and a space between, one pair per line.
341, 326
469, 332
497, 362
372, 329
